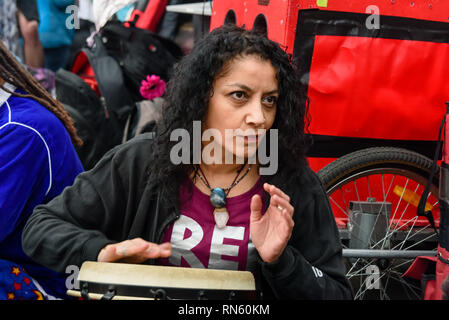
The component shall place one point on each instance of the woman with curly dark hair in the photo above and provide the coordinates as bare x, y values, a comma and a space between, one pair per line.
223, 183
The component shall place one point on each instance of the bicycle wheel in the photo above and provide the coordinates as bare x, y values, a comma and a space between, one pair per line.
374, 195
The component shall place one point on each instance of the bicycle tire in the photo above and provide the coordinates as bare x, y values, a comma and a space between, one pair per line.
367, 163
374, 158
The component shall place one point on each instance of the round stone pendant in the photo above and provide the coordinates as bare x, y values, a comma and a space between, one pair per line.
221, 217
218, 198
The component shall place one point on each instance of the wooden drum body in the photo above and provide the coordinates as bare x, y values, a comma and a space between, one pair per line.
121, 281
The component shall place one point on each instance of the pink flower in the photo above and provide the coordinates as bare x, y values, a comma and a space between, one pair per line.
153, 87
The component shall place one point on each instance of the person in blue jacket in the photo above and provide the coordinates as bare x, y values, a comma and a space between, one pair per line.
56, 31
37, 161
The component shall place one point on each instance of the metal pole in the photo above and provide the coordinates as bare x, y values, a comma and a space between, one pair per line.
387, 254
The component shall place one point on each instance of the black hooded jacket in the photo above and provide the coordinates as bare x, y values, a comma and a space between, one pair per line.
117, 200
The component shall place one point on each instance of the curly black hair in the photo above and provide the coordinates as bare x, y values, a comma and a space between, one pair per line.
191, 86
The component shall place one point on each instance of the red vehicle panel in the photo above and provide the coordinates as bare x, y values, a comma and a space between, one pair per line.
357, 75
281, 15
367, 87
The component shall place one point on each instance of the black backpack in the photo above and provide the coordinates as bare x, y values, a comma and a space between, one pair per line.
121, 58
140, 53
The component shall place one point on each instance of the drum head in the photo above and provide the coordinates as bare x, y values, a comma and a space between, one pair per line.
121, 280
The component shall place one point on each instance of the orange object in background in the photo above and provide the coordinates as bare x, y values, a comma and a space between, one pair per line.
410, 197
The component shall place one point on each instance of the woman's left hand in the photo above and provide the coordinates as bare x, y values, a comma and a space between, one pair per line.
270, 232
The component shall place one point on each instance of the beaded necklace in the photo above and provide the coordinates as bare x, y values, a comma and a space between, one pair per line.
218, 196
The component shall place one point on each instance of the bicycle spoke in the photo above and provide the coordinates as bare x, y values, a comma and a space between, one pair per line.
414, 234
356, 263
411, 286
419, 242
343, 198
338, 206
407, 261
356, 191
389, 235
363, 289
384, 287
405, 283
359, 272
394, 214
388, 191
408, 233
368, 185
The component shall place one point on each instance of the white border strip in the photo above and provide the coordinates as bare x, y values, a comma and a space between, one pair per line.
4, 96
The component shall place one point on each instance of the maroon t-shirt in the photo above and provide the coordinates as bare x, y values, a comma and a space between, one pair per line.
198, 243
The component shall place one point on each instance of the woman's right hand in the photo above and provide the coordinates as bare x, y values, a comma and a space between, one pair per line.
134, 251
